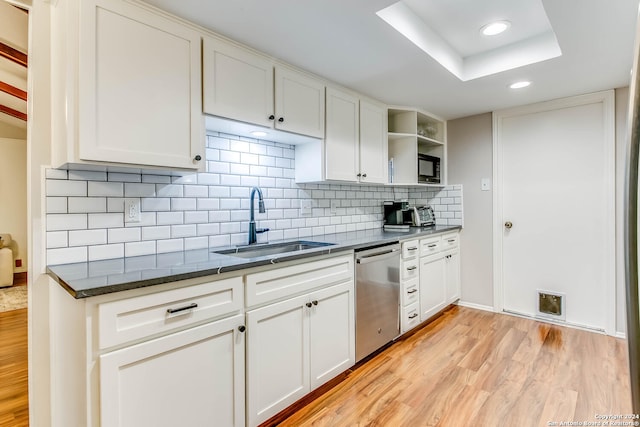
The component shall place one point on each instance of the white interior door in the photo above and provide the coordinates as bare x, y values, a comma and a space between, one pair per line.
555, 186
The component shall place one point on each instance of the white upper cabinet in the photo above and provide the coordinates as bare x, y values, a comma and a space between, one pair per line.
299, 103
245, 86
238, 84
373, 142
137, 100
341, 142
355, 145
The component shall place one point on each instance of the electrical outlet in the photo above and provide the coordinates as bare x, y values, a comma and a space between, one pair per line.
334, 206
305, 207
132, 210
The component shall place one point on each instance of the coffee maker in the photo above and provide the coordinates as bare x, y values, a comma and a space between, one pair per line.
394, 212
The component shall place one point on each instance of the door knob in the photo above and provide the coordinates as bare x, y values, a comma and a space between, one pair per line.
508, 224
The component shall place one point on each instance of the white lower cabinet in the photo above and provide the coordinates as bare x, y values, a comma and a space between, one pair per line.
296, 345
432, 285
452, 274
193, 378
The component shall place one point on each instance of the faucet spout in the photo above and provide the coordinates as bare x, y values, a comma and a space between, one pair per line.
253, 231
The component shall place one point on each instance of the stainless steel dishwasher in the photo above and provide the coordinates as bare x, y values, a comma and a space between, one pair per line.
377, 298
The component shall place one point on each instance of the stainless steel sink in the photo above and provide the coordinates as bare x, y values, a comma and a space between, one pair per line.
254, 251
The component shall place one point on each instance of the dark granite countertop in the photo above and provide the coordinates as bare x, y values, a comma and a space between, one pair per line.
86, 279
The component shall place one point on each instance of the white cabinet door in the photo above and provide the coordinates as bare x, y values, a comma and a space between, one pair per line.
238, 84
342, 136
299, 103
277, 357
432, 285
331, 333
139, 87
452, 275
190, 378
373, 143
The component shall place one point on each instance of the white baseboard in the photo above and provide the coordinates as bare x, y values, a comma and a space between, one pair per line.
622, 335
476, 306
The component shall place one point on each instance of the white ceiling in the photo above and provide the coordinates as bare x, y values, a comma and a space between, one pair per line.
345, 41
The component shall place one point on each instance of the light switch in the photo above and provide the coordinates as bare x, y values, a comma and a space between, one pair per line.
334, 206
485, 184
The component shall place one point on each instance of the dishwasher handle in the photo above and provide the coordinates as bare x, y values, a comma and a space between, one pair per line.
378, 256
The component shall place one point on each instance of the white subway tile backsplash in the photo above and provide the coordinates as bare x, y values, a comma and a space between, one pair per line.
56, 187
156, 233
155, 204
56, 205
87, 237
183, 204
100, 252
105, 189
139, 248
196, 217
170, 218
56, 174
106, 220
124, 177
211, 209
139, 190
171, 245
66, 255
121, 235
57, 239
59, 222
87, 204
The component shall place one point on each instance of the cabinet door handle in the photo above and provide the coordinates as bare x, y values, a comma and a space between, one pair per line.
412, 248
272, 117
308, 304
359, 175
412, 291
413, 316
242, 328
364, 175
451, 240
413, 267
281, 119
433, 245
314, 302
197, 158
186, 307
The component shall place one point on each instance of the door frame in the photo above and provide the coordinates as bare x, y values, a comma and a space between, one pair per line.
607, 99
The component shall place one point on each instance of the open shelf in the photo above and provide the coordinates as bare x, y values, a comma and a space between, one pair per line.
412, 132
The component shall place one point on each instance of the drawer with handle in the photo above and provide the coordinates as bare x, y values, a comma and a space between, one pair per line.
139, 317
409, 269
450, 241
430, 246
410, 292
410, 317
410, 249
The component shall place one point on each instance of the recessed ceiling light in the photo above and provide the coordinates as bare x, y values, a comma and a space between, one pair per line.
519, 85
495, 28
258, 133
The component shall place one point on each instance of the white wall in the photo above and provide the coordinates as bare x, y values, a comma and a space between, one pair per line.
469, 151
13, 196
10, 131
469, 145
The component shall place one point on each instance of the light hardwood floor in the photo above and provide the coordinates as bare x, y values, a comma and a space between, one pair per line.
14, 399
475, 368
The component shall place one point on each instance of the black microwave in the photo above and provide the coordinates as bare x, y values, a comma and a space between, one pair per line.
428, 169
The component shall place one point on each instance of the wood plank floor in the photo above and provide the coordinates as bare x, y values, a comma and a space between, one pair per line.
475, 368
14, 398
